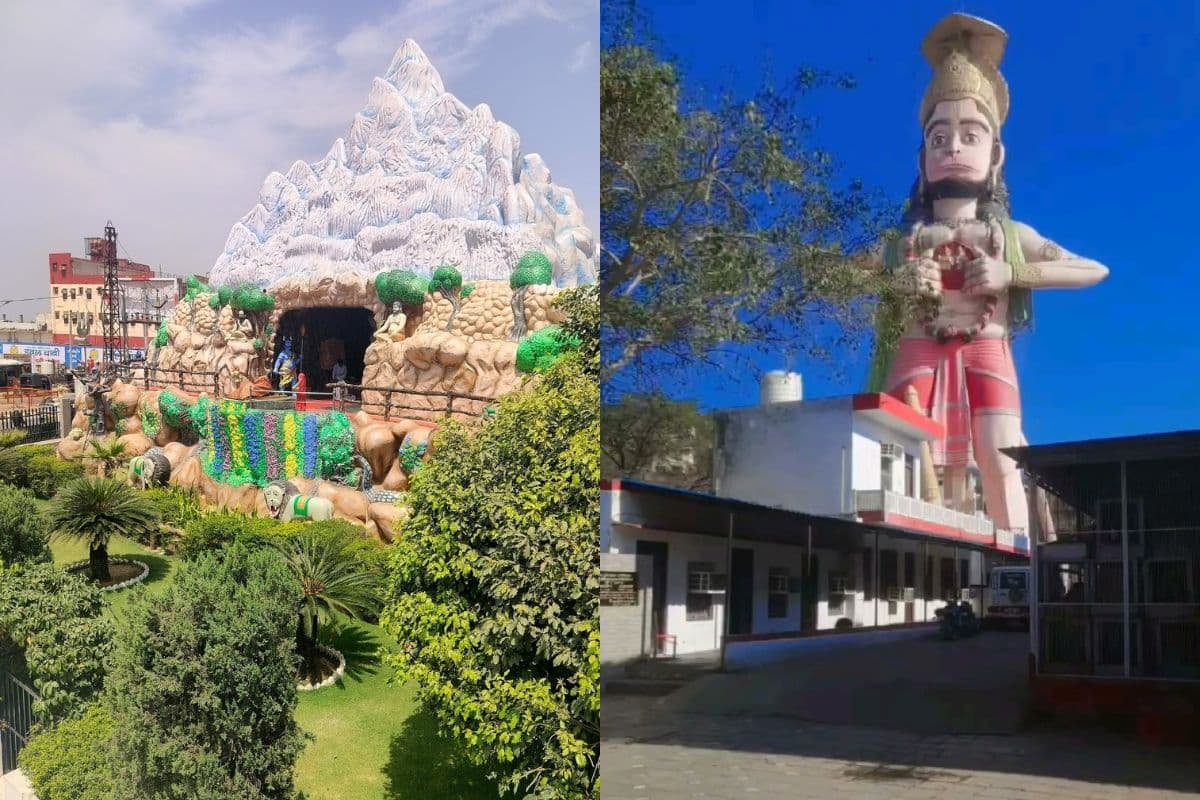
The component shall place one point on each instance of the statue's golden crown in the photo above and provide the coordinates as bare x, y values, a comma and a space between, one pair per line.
965, 54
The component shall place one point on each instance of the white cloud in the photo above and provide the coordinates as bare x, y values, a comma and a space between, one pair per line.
581, 56
123, 111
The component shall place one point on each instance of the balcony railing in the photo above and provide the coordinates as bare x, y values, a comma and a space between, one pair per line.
892, 503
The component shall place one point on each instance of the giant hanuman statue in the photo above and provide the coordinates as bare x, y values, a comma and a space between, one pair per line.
968, 270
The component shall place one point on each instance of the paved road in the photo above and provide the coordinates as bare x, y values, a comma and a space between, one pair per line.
755, 734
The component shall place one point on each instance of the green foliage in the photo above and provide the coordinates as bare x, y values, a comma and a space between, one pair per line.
107, 453
37, 468
582, 325
538, 351
214, 301
194, 288
209, 533
58, 618
493, 594
407, 287
175, 506
248, 297
173, 409
203, 685
412, 456
98, 509
723, 224
224, 295
642, 432
161, 336
533, 268
70, 762
335, 444
151, 421
258, 344
446, 278
24, 533
467, 290
332, 579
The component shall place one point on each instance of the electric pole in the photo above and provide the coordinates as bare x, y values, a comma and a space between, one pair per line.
114, 349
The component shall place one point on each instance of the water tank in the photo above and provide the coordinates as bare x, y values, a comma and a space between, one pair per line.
779, 386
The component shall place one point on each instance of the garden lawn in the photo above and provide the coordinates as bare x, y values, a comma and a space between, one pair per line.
373, 740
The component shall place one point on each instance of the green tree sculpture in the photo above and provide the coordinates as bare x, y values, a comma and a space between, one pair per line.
202, 685
403, 285
96, 510
448, 282
333, 579
533, 268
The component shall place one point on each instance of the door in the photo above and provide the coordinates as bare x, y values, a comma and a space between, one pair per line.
658, 613
741, 592
811, 587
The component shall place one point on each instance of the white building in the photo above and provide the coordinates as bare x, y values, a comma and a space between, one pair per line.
816, 525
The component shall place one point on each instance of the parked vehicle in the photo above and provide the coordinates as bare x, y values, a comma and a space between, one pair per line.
32, 380
1007, 596
957, 619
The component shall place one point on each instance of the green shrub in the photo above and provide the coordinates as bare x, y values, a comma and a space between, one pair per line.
210, 532
176, 506
538, 351
58, 619
161, 336
203, 685
467, 290
494, 594
24, 533
38, 469
70, 762
248, 297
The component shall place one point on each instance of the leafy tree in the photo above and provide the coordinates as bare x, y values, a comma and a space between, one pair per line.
582, 308
224, 295
96, 510
720, 223
493, 592
533, 268
70, 762
106, 454
24, 533
448, 282
403, 285
652, 438
203, 685
333, 580
58, 620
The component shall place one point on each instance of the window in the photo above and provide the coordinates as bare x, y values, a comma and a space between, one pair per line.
889, 572
885, 472
702, 585
1065, 583
777, 593
57, 314
949, 590
89, 294
868, 573
964, 573
1108, 582
910, 479
928, 577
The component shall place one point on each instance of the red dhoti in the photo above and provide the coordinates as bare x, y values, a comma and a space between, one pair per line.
956, 382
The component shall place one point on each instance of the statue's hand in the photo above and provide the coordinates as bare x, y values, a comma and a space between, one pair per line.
987, 275
924, 277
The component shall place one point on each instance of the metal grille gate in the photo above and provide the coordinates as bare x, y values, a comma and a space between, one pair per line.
16, 718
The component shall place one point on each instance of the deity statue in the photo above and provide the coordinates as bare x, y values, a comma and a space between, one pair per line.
286, 366
392, 329
969, 269
243, 331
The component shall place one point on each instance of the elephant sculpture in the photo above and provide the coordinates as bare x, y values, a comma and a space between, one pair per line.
285, 503
150, 469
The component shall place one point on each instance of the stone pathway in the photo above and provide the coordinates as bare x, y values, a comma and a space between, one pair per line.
649, 751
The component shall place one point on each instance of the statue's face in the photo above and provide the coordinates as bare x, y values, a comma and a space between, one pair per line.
959, 143
395, 308
273, 495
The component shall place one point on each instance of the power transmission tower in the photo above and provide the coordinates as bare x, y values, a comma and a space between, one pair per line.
110, 316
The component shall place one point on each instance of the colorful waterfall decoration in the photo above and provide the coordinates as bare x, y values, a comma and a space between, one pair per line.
244, 445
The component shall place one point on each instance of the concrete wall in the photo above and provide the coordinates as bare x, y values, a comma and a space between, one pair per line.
625, 631
788, 455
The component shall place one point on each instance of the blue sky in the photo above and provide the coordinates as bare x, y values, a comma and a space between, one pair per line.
165, 116
1103, 146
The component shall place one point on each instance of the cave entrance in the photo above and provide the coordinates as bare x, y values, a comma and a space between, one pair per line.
322, 335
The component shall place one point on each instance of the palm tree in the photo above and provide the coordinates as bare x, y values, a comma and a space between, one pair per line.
96, 510
333, 580
107, 453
